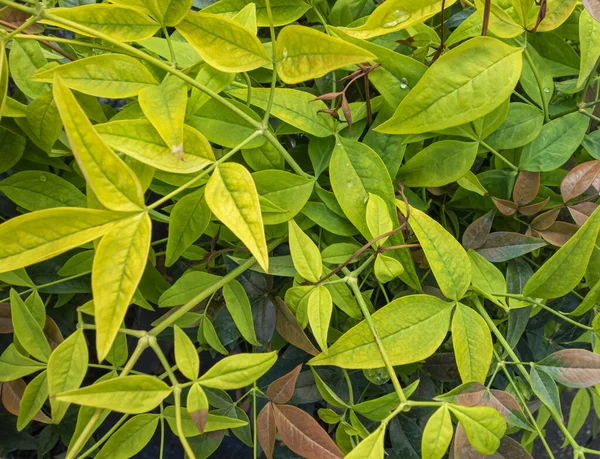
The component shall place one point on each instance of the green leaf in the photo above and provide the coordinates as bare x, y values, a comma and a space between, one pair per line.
171, 12
439, 164
472, 343
326, 392
3, 79
188, 221
238, 370
545, 389
197, 406
522, 125
232, 197
27, 330
118, 22
378, 218
164, 106
387, 268
25, 58
187, 287
303, 53
305, 254
130, 438
138, 139
223, 43
14, 365
44, 121
464, 84
411, 329
395, 15
283, 11
126, 394
555, 144
437, 434
589, 33
107, 75
297, 108
320, 308
448, 260
186, 356
213, 422
238, 305
34, 397
212, 79
486, 278
113, 183
119, 263
208, 335
564, 270
67, 367
578, 413
371, 447
484, 426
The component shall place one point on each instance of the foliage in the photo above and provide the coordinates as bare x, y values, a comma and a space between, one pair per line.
334, 227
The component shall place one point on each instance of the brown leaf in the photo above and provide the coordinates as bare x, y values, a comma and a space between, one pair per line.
581, 212
17, 18
593, 7
533, 209
199, 417
545, 220
505, 206
303, 435
559, 233
478, 231
510, 449
265, 429
573, 367
462, 449
579, 179
282, 389
504, 246
6, 325
347, 113
526, 187
287, 326
52, 333
12, 393
327, 97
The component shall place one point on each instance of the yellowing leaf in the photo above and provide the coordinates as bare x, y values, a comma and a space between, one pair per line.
108, 75
437, 434
186, 356
303, 53
320, 307
371, 447
484, 426
504, 21
283, 11
463, 85
305, 254
27, 330
589, 39
232, 197
238, 370
130, 438
171, 12
378, 218
3, 78
113, 183
411, 329
118, 267
223, 43
121, 23
40, 235
448, 260
387, 268
557, 12
197, 406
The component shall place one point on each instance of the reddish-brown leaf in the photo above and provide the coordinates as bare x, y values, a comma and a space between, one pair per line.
468, 394
478, 231
573, 367
282, 389
510, 449
328, 96
303, 435
347, 113
526, 187
17, 18
533, 209
593, 7
559, 233
52, 333
462, 449
504, 246
505, 206
581, 212
12, 392
287, 326
5, 319
546, 220
265, 429
579, 179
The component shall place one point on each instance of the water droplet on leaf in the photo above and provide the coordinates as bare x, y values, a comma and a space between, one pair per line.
547, 90
43, 178
404, 83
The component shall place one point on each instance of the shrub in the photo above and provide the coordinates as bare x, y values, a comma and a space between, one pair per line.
356, 228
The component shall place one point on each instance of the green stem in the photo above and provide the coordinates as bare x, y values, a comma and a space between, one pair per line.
265, 121
499, 156
186, 446
283, 152
29, 22
171, 50
248, 87
49, 284
590, 115
539, 82
349, 384
254, 429
106, 436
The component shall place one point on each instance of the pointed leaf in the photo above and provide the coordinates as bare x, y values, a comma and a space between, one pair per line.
238, 370
282, 389
484, 427
572, 367
186, 355
305, 254
27, 330
437, 434
265, 426
320, 308
197, 406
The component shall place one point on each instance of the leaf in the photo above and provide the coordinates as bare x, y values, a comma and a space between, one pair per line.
443, 99
67, 367
24, 60
579, 179
305, 254
526, 187
378, 218
27, 330
303, 53
580, 408
232, 197
197, 406
572, 367
238, 305
121, 23
107, 75
472, 343
113, 183
3, 78
126, 394
32, 401
238, 370
439, 164
207, 334
503, 246
130, 438
477, 232
213, 422
371, 447
437, 434
171, 12
448, 260
320, 308
484, 426
282, 389
139, 140
486, 278
14, 365
287, 326
186, 356
223, 43
564, 270
283, 11
43, 121
589, 32
522, 125
303, 435
411, 329
387, 268
555, 144
187, 287
266, 432
119, 263
545, 389
593, 8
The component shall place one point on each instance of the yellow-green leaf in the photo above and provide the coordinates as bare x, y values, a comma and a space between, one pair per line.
186, 356
437, 434
378, 218
557, 12
283, 11
231, 195
303, 53
171, 12
589, 43
27, 330
130, 438
463, 85
484, 426
319, 310
119, 263
371, 447
3, 78
448, 260
238, 370
504, 21
305, 254
33, 400
197, 406
387, 268
223, 43
107, 75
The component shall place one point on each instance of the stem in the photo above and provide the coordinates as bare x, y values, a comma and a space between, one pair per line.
499, 156
254, 416
538, 80
265, 121
486, 17
283, 152
186, 446
249, 88
106, 436
49, 284
29, 22
171, 50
